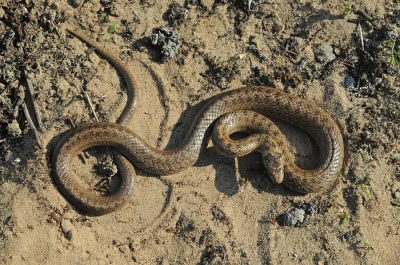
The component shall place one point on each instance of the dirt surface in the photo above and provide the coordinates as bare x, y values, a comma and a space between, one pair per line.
221, 210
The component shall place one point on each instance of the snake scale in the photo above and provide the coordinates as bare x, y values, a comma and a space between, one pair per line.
240, 110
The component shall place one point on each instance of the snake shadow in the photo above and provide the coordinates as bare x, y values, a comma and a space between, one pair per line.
232, 173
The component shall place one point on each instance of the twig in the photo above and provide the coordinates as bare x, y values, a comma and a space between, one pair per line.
5, 102
32, 125
21, 102
16, 108
90, 104
30, 92
286, 50
361, 36
249, 2
369, 18
72, 122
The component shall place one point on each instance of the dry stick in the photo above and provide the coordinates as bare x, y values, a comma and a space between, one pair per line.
21, 96
361, 36
72, 122
368, 17
249, 2
286, 50
30, 92
16, 108
90, 104
32, 125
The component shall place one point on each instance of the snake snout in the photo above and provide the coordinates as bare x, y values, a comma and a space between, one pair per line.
273, 162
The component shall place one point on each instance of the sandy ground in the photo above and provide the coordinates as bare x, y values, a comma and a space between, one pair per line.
221, 210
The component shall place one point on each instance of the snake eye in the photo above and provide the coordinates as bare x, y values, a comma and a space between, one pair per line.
274, 165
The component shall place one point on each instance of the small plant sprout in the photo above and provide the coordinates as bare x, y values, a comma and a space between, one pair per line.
345, 218
113, 28
366, 190
394, 55
347, 8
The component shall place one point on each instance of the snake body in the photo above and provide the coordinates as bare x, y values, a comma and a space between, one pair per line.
266, 101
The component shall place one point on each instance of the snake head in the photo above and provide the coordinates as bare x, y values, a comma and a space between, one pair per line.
274, 163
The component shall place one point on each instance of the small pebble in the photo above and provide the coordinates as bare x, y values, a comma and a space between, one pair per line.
376, 80
13, 128
310, 208
67, 227
324, 54
293, 256
292, 217
124, 249
337, 51
308, 53
87, 64
16, 161
50, 101
2, 12
349, 82
106, 167
69, 215
8, 234
51, 92
298, 43
391, 34
177, 14
168, 40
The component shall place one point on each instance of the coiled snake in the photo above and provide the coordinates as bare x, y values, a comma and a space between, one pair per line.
244, 109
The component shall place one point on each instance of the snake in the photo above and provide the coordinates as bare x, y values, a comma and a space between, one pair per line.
247, 109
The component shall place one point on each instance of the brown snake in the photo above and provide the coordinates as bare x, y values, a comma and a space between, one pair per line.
243, 106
